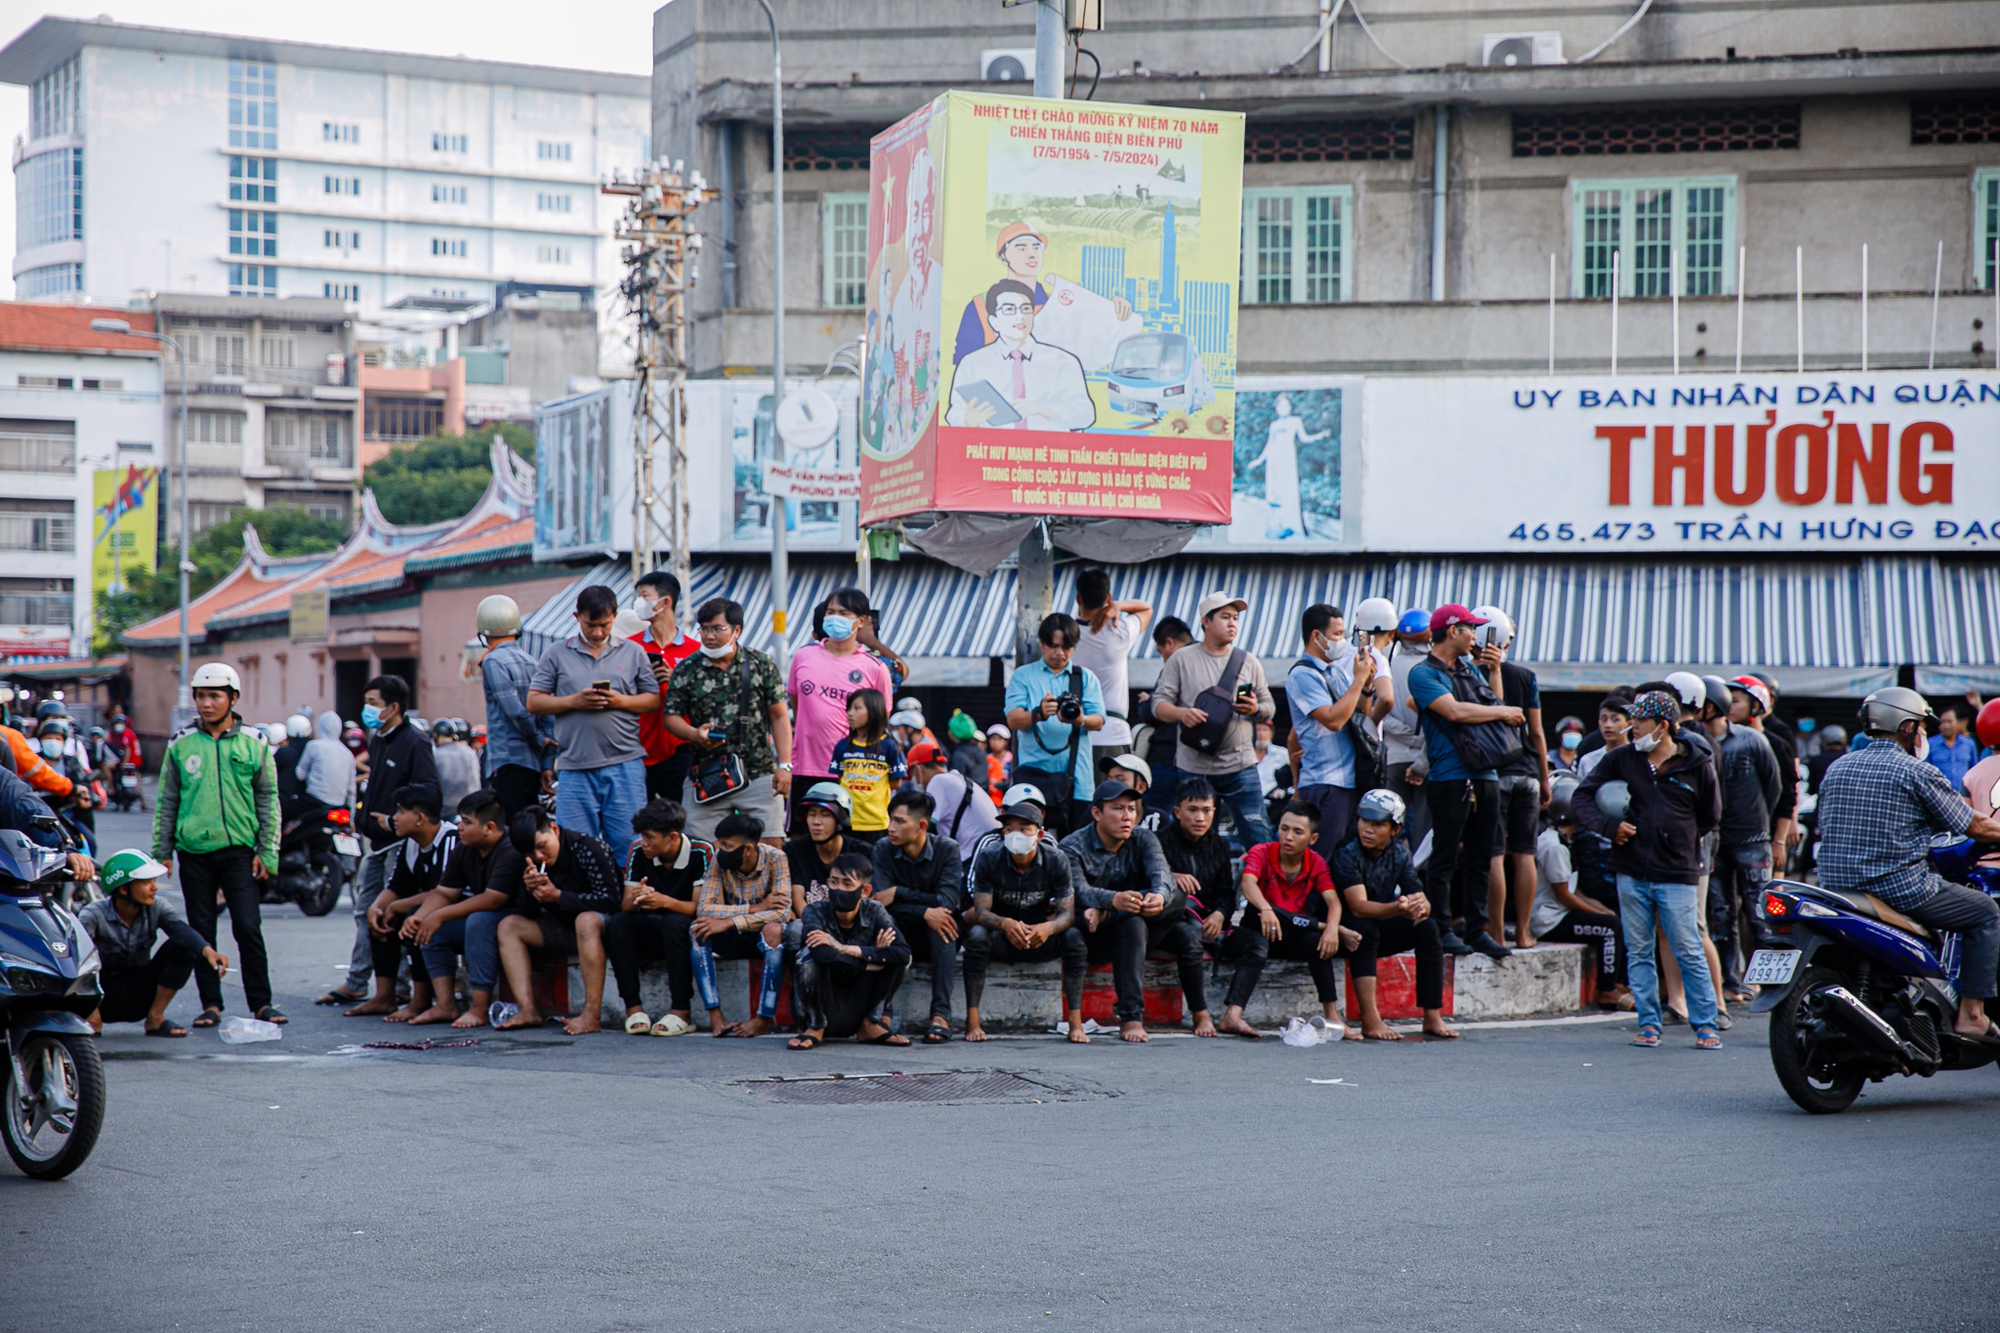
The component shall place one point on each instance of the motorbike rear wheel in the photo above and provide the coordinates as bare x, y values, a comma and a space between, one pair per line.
332, 878
1821, 1092
51, 1125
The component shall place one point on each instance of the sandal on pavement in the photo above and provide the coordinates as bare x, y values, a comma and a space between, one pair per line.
638, 1025
673, 1025
938, 1034
1723, 1021
805, 1041
1648, 1036
340, 995
1707, 1039
886, 1039
208, 1019
167, 1030
271, 1013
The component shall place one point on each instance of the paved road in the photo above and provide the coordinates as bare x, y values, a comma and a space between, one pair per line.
1526, 1178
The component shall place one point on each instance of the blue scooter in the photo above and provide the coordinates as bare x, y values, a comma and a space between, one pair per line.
1862, 991
52, 1104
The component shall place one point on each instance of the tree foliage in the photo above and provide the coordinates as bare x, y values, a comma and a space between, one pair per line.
443, 476
283, 529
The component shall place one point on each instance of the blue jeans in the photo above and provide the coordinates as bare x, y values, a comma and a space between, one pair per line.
477, 937
735, 944
1165, 789
1644, 906
1244, 796
602, 801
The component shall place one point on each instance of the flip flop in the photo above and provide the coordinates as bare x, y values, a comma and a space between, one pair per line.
938, 1035
887, 1039
167, 1030
1990, 1037
339, 995
805, 1041
1707, 1039
271, 1013
1649, 1036
208, 1019
638, 1025
673, 1025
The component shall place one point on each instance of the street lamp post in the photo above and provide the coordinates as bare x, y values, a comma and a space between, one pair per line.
781, 578
184, 696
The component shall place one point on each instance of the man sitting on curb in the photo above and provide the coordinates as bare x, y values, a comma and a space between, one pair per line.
664, 872
854, 959
1391, 913
919, 881
416, 862
138, 983
744, 905
1131, 898
462, 914
1285, 882
1199, 858
1024, 909
570, 885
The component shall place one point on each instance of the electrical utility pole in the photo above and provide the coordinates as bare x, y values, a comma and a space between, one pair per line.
659, 257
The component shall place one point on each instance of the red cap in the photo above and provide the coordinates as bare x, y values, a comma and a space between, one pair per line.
1451, 613
924, 752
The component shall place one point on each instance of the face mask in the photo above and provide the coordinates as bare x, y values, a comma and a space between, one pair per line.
838, 627
371, 716
1571, 740
730, 858
644, 609
1645, 744
1807, 725
716, 654
844, 900
52, 746
1923, 750
1020, 843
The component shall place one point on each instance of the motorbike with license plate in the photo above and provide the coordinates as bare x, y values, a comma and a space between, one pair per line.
318, 856
52, 1101
1858, 992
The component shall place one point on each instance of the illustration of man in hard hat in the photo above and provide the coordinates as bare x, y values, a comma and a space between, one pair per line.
1020, 249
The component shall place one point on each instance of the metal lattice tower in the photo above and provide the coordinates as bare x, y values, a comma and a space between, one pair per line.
659, 263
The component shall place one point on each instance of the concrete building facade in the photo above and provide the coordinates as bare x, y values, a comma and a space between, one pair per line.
1800, 135
72, 403
162, 160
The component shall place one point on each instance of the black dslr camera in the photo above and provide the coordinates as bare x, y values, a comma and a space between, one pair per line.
1069, 708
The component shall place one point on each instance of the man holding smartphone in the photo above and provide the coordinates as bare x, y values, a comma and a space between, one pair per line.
595, 685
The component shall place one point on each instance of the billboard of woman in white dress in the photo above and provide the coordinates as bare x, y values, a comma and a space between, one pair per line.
1287, 485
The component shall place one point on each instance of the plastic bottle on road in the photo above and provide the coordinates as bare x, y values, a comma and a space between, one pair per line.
237, 1031
500, 1011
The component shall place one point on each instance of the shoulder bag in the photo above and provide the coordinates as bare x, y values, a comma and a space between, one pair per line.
719, 773
1218, 701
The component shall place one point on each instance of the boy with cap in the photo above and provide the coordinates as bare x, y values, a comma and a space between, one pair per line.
1215, 693
138, 983
963, 810
1023, 910
1391, 914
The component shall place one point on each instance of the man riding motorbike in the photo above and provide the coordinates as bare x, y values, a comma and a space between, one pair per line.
1879, 807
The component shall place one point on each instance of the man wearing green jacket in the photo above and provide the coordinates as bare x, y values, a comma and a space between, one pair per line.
218, 811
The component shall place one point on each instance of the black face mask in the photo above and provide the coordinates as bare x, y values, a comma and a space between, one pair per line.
844, 900
731, 858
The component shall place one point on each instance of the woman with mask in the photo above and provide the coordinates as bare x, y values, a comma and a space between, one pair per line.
823, 675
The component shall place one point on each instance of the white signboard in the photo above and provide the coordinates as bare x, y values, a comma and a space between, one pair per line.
1900, 461
806, 483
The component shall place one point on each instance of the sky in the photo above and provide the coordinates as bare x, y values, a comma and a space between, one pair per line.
614, 35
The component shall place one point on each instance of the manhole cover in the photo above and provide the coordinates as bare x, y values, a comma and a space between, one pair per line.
958, 1085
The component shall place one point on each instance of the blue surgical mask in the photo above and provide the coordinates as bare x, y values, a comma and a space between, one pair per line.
1807, 724
838, 627
371, 716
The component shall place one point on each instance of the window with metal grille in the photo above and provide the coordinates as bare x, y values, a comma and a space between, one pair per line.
30, 447
278, 353
1387, 139
1697, 129
827, 148
1955, 120
253, 179
253, 104
395, 417
843, 224
215, 427
1295, 249
37, 601
37, 525
323, 439
1659, 231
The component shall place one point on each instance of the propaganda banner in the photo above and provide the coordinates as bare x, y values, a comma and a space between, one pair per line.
1051, 321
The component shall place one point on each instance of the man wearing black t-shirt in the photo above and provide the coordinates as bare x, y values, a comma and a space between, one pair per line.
462, 914
663, 877
570, 885
1524, 792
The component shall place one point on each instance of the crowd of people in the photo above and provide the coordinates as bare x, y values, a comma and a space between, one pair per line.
651, 789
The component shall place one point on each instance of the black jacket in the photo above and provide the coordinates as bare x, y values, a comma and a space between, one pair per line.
396, 760
1208, 861
935, 879
1673, 811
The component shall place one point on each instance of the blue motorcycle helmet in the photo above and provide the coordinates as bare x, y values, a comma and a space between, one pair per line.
1414, 621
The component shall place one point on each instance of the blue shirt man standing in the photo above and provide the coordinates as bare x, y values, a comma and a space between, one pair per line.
1043, 739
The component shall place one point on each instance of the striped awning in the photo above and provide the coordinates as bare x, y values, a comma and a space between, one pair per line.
1828, 627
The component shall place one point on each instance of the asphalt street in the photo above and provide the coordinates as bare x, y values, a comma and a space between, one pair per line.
1526, 1177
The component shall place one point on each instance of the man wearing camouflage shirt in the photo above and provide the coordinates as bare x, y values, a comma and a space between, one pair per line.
730, 699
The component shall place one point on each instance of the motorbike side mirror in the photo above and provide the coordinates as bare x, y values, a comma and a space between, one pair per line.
46, 823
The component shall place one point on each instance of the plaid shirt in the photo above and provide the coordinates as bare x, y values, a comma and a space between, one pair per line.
734, 896
1878, 809
713, 698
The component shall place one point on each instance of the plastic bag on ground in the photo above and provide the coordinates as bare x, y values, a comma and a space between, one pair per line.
237, 1030
1312, 1031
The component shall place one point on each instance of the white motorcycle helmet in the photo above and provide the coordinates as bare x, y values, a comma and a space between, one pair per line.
1375, 615
1497, 632
216, 676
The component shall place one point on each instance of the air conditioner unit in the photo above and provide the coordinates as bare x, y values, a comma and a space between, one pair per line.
1510, 49
1012, 65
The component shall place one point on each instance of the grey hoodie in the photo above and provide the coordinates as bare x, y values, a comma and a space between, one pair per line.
326, 769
